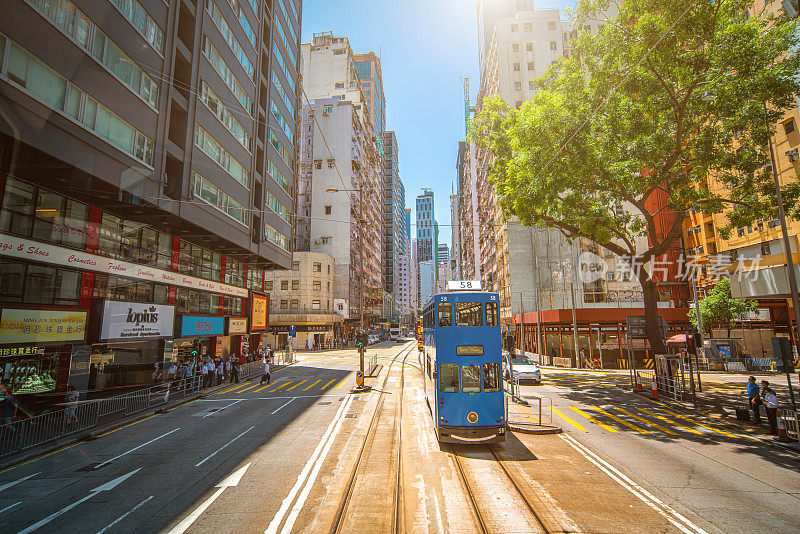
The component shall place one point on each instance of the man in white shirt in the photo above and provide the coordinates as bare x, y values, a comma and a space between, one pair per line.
265, 376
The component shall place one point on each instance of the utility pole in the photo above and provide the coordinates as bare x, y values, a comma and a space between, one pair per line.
789, 262
699, 334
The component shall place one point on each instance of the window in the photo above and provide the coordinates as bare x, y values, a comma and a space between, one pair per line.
317, 285
227, 75
470, 378
531, 85
325, 240
445, 314
339, 52
211, 194
518, 86
315, 304
765, 249
317, 163
329, 272
514, 28
491, 314
284, 304
284, 285
529, 47
295, 265
279, 87
317, 267
530, 65
788, 126
295, 285
331, 163
227, 34
528, 27
551, 25
553, 45
491, 377
740, 232
214, 150
215, 105
515, 47
283, 123
516, 66
328, 210
295, 304
269, 284
448, 377
469, 314
340, 85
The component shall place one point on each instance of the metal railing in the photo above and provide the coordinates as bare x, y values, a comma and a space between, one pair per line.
18, 436
670, 387
790, 419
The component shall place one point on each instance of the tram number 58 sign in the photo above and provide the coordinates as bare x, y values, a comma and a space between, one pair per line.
464, 285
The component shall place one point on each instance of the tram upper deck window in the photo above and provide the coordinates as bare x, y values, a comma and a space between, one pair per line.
491, 314
448, 377
491, 376
470, 378
445, 314
469, 314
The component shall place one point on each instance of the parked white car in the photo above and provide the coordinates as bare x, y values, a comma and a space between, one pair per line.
525, 370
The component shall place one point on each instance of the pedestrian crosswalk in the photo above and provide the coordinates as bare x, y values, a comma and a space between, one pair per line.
309, 385
657, 420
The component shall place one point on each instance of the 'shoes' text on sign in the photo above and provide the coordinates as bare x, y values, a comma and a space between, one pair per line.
125, 320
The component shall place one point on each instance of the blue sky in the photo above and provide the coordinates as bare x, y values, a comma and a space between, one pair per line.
426, 47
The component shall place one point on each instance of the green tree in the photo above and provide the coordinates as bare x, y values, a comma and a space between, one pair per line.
672, 96
719, 310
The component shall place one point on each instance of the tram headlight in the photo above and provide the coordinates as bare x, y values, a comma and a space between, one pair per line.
472, 417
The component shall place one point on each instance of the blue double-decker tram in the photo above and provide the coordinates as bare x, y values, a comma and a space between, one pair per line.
462, 364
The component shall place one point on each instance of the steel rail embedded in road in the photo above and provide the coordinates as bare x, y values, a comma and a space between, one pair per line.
340, 513
468, 489
519, 490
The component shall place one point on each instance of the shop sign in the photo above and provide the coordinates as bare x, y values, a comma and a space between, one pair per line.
21, 351
41, 326
198, 325
237, 326
132, 320
17, 247
258, 315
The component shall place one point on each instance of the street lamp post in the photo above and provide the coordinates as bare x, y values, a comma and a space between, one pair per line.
360, 191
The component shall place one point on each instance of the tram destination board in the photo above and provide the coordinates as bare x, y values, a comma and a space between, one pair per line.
635, 325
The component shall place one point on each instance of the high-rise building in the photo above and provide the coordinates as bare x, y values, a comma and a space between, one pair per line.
443, 253
413, 273
149, 156
341, 156
368, 66
427, 228
455, 228
394, 193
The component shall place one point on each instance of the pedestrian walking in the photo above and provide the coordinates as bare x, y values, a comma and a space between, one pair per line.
265, 376
228, 367
72, 405
220, 372
206, 374
9, 405
754, 398
235, 371
771, 405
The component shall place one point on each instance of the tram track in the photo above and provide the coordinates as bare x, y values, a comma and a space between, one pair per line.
480, 516
338, 524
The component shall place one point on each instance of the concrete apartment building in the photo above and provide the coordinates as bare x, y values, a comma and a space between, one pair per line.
340, 150
368, 67
394, 208
414, 278
147, 151
427, 227
303, 297
468, 227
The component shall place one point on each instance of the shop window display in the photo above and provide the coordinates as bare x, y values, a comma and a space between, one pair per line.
123, 364
37, 373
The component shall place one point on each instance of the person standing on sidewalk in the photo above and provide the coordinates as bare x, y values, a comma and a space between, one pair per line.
265, 376
771, 405
234, 370
220, 372
754, 397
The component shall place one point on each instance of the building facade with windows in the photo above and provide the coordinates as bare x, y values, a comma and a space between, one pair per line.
427, 228
146, 157
303, 297
340, 155
394, 208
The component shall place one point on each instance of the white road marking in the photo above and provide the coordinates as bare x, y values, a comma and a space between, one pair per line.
301, 478
301, 500
105, 487
216, 451
223, 408
279, 409
14, 483
10, 507
134, 449
645, 496
126, 514
230, 482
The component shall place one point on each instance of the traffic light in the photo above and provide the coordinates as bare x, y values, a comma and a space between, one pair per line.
361, 339
691, 346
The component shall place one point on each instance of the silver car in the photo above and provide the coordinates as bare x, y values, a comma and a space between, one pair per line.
525, 370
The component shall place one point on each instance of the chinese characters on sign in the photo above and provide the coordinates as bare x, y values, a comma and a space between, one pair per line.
40, 326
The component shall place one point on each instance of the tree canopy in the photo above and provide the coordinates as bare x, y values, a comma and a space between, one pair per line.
719, 309
678, 96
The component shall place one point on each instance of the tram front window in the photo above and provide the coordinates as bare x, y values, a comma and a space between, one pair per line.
469, 314
448, 377
491, 376
445, 314
470, 378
